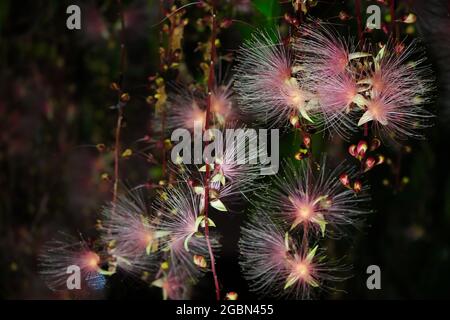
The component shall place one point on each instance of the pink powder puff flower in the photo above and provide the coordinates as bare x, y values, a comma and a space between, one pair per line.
236, 166
58, 257
130, 234
174, 284
276, 265
397, 89
315, 199
180, 213
321, 52
336, 96
222, 105
187, 109
265, 81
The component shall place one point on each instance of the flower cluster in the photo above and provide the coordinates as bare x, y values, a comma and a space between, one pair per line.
277, 264
319, 78
302, 205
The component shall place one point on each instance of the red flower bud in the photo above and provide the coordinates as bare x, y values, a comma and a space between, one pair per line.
357, 186
344, 180
369, 164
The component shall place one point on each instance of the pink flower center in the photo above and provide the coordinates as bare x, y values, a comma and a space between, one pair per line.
305, 211
378, 111
293, 94
146, 238
91, 260
302, 269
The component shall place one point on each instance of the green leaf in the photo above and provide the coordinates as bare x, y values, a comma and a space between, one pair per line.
158, 283
357, 55
269, 8
366, 117
311, 254
198, 221
379, 57
217, 177
160, 234
292, 278
199, 190
312, 282
320, 220
286, 240
305, 115
186, 241
210, 223
217, 204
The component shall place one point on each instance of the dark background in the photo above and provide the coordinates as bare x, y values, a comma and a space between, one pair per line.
54, 110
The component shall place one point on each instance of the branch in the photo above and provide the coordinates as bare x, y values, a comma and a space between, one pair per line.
211, 83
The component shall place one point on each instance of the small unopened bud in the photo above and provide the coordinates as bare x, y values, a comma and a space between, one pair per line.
352, 150
344, 16
369, 164
125, 97
302, 154
361, 149
375, 144
357, 186
101, 147
200, 261
294, 120
380, 159
344, 180
410, 18
213, 194
114, 86
231, 296
226, 23
307, 141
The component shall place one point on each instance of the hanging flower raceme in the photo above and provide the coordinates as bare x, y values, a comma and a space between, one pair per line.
267, 85
236, 164
276, 265
315, 199
180, 212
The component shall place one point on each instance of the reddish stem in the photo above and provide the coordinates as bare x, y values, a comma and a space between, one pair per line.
211, 83
119, 105
394, 24
359, 20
